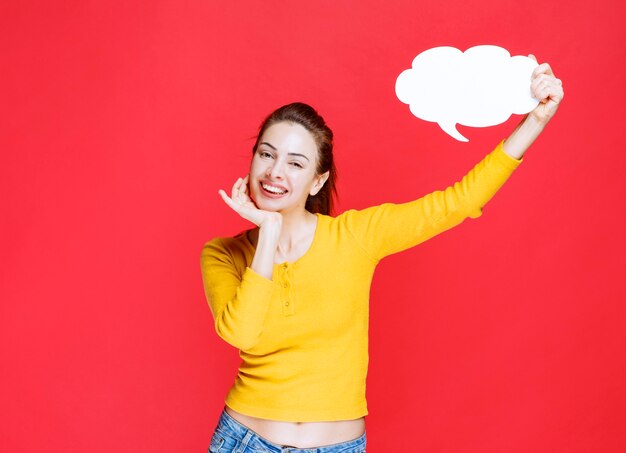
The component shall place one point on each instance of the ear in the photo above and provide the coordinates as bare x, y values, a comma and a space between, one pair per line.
319, 183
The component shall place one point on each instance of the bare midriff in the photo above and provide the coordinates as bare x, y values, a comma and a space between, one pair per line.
302, 434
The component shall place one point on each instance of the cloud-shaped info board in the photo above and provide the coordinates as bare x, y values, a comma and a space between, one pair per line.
480, 87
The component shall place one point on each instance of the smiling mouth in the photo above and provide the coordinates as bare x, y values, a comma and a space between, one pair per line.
273, 190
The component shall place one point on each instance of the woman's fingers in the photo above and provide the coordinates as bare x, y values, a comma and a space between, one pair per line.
241, 203
225, 197
246, 180
239, 191
242, 190
244, 210
543, 68
229, 201
541, 78
239, 198
548, 89
537, 86
234, 190
545, 86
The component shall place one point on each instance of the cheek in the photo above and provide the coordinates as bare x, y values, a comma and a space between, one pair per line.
253, 188
253, 167
255, 173
256, 164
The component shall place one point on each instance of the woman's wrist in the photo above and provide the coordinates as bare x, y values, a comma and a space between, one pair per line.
267, 243
270, 228
523, 136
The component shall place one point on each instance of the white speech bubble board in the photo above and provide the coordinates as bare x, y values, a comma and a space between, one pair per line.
480, 87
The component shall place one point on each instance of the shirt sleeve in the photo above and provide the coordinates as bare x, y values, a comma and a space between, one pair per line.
239, 302
389, 228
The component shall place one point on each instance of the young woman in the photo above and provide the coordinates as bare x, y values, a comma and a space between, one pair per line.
292, 294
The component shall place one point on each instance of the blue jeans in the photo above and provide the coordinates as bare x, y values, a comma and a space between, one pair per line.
230, 436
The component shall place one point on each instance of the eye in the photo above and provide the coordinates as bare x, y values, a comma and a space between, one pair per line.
264, 154
297, 164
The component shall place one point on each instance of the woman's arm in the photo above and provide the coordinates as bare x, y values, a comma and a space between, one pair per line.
549, 90
240, 298
390, 228
269, 223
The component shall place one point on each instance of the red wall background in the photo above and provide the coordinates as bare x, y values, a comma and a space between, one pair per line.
122, 119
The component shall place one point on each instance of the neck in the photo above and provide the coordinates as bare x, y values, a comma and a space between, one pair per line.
295, 225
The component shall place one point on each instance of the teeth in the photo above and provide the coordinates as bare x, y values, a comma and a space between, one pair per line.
272, 189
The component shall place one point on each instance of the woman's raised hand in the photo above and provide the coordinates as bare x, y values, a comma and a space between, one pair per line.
548, 89
242, 204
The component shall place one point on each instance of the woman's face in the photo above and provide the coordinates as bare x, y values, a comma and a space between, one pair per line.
283, 170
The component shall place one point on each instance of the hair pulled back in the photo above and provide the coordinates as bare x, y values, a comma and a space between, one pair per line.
307, 117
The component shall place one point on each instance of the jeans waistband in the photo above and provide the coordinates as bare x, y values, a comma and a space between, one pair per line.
227, 421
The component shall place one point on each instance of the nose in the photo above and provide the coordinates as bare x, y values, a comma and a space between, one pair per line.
275, 171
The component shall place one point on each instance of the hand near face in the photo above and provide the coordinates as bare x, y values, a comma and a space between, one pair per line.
548, 89
242, 204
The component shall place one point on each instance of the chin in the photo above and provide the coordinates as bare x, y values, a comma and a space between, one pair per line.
264, 207
264, 204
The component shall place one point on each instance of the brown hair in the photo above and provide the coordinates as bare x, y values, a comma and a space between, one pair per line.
307, 117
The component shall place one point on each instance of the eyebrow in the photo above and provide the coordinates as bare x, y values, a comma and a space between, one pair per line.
265, 143
289, 154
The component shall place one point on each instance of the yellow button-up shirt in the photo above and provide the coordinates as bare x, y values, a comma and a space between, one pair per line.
303, 335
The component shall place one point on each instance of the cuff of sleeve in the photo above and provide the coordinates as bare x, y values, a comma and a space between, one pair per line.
504, 159
260, 283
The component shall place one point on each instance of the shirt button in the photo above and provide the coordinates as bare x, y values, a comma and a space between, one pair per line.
286, 303
285, 285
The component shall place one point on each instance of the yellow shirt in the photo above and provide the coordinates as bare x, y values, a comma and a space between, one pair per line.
303, 336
